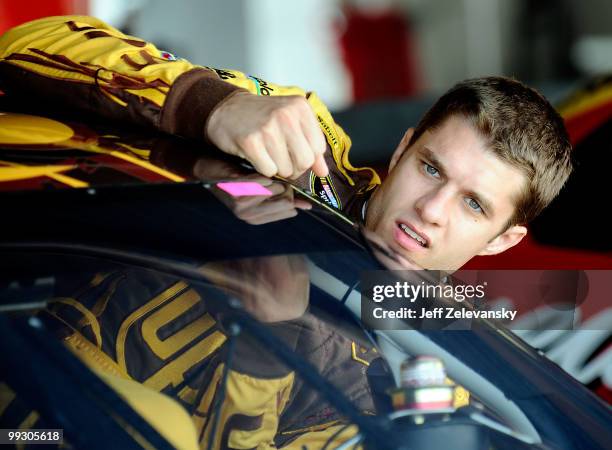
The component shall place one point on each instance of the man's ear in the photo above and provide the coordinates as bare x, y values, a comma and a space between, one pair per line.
401, 148
505, 240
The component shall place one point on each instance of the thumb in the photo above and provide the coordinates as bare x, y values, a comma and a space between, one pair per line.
320, 166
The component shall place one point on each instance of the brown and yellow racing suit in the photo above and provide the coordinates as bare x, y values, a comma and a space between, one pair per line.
83, 64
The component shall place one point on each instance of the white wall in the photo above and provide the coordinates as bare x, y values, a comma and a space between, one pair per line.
293, 43
288, 43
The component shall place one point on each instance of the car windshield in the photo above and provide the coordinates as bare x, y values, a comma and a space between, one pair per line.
269, 338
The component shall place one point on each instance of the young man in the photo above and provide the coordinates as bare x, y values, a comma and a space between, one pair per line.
483, 162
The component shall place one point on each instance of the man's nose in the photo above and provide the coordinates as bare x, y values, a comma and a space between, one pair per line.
434, 206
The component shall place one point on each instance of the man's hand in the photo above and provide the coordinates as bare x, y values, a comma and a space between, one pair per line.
278, 135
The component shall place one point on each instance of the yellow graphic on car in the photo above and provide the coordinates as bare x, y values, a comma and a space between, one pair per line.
12, 172
23, 129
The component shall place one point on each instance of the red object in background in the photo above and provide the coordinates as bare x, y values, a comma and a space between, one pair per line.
14, 12
579, 126
531, 255
377, 51
602, 391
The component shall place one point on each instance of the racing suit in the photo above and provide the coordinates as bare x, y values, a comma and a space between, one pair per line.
166, 334
84, 64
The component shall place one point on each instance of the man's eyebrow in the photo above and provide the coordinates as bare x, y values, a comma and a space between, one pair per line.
431, 157
486, 205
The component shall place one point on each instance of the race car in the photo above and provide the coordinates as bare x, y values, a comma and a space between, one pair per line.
152, 296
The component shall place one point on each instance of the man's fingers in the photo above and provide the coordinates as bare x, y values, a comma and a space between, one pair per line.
302, 204
313, 133
270, 209
282, 215
277, 135
276, 147
315, 139
277, 189
279, 192
258, 210
245, 204
258, 178
301, 153
320, 168
255, 151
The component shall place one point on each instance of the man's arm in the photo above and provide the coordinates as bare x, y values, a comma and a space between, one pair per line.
86, 64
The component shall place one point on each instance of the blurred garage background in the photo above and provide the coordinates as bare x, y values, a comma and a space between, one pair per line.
346, 50
378, 64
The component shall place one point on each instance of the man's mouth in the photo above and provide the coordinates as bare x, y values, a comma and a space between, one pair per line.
410, 232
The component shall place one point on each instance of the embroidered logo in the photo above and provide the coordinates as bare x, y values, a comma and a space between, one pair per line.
323, 188
261, 85
167, 56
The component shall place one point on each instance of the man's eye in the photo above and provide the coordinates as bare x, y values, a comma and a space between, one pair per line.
473, 204
431, 170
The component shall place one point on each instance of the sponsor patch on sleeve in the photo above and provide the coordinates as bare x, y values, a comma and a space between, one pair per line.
167, 55
323, 188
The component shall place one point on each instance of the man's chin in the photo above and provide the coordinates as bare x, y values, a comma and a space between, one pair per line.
388, 253
410, 261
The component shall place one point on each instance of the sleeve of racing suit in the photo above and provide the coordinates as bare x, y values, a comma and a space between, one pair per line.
88, 65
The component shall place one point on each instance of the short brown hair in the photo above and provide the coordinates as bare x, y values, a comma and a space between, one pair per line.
522, 129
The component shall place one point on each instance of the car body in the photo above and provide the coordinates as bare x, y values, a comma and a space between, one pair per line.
82, 196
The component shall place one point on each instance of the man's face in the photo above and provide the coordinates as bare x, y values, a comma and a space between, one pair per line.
446, 199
